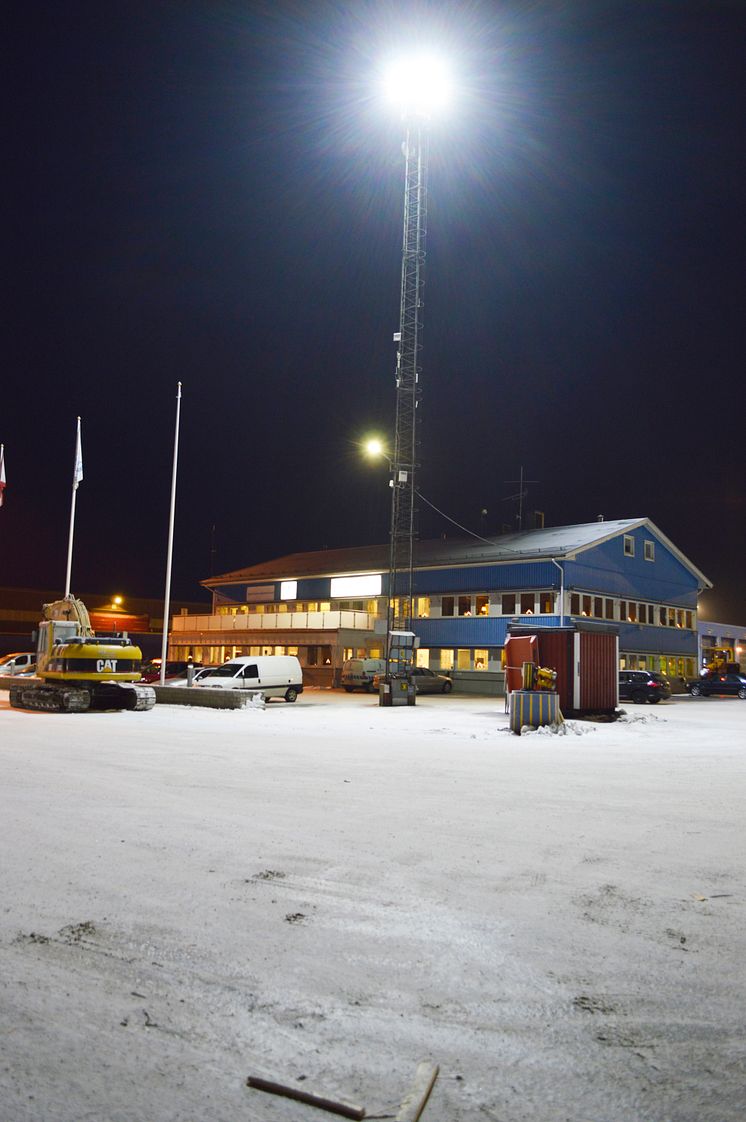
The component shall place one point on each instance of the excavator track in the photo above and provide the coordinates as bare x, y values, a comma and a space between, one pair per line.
51, 699
77, 699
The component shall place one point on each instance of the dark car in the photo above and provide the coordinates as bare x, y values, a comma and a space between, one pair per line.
426, 681
643, 685
730, 684
151, 671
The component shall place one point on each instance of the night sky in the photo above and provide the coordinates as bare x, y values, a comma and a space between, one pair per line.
212, 192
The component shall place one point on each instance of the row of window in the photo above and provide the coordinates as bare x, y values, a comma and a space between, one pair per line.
631, 611
445, 659
496, 604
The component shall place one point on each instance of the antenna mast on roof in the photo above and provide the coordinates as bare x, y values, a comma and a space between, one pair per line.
520, 495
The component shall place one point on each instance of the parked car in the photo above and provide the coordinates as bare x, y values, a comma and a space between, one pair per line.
182, 679
425, 681
730, 684
22, 662
151, 671
643, 685
270, 675
358, 673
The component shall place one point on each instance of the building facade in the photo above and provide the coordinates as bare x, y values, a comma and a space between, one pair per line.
327, 606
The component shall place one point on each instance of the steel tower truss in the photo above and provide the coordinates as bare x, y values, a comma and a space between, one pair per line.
408, 369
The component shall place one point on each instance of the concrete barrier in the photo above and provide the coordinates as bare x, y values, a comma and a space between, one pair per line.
209, 699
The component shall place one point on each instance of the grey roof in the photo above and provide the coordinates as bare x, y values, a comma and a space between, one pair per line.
559, 542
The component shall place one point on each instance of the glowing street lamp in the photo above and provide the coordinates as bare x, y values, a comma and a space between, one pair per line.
418, 86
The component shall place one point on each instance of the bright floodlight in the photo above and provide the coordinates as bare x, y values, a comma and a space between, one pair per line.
374, 446
419, 85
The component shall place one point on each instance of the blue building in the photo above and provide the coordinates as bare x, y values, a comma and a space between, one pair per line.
331, 605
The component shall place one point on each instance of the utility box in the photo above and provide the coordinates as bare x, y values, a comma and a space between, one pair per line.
585, 656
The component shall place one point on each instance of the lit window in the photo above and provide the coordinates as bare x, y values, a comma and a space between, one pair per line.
527, 603
546, 603
480, 660
586, 605
288, 589
422, 657
464, 605
463, 660
483, 605
629, 545
446, 660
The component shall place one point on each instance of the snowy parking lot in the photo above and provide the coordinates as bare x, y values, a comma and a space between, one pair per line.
326, 893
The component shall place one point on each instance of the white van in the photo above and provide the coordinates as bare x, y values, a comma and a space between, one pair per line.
358, 673
22, 662
270, 675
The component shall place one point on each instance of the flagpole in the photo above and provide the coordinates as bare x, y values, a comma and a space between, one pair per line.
77, 476
167, 598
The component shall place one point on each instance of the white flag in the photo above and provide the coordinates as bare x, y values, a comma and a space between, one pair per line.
2, 472
78, 469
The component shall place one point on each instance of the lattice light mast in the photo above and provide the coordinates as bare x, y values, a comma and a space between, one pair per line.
418, 86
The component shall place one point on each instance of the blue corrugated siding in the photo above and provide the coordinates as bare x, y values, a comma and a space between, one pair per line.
472, 632
313, 588
487, 578
604, 568
656, 640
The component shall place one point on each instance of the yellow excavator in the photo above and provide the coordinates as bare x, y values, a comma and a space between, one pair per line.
80, 670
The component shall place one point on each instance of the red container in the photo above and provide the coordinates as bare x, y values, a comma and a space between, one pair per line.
586, 658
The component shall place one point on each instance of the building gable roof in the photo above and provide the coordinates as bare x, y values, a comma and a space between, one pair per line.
558, 542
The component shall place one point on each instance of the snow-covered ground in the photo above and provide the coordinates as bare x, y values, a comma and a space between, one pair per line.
327, 893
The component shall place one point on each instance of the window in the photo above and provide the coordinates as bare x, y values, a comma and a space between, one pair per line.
422, 657
598, 607
446, 660
464, 605
422, 609
689, 621
679, 617
662, 618
608, 609
546, 603
481, 660
649, 550
288, 589
651, 614
527, 603
483, 605
629, 545
463, 660
446, 606
632, 612
586, 605
574, 604
508, 603
671, 617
